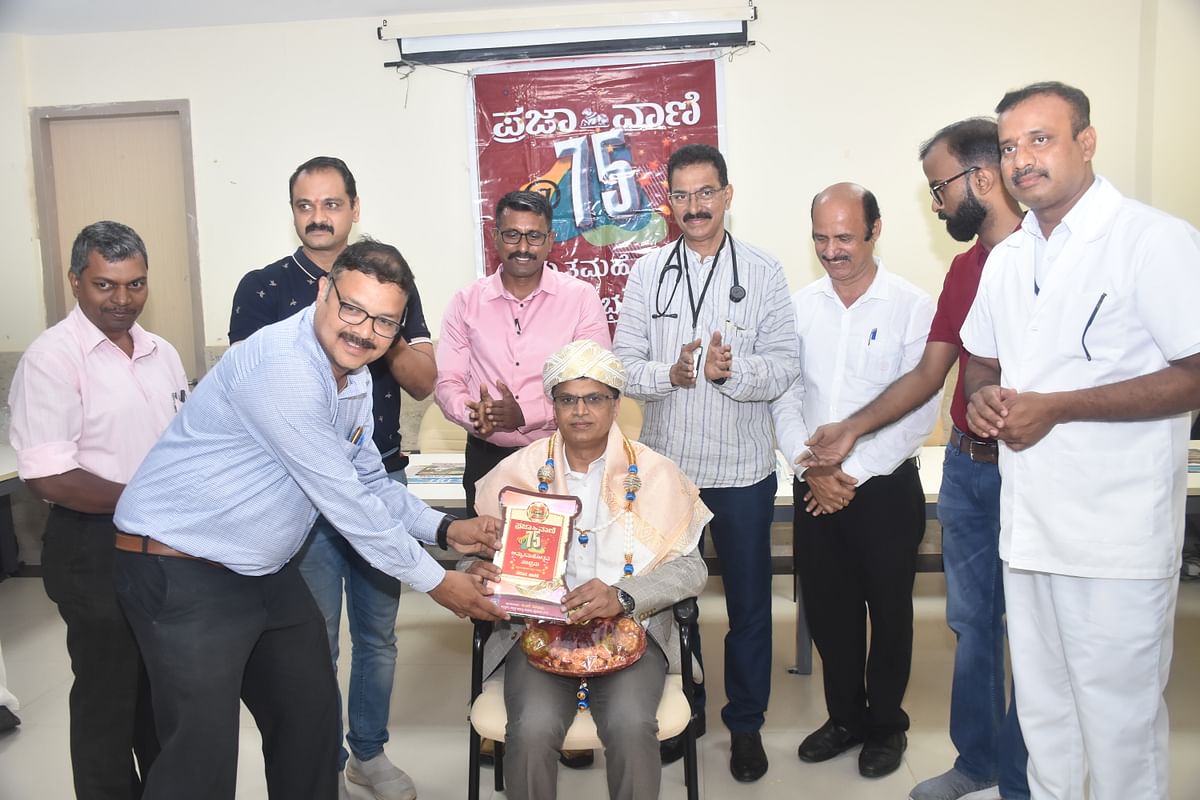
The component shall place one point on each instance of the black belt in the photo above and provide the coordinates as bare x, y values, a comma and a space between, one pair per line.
983, 451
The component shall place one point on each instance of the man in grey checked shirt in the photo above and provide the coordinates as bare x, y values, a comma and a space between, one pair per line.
709, 339
209, 525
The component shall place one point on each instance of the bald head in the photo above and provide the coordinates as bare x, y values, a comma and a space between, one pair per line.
845, 225
846, 193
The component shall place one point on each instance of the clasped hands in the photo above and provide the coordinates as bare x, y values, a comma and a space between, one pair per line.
1019, 419
490, 415
718, 362
829, 489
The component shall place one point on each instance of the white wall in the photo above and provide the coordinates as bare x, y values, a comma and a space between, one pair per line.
844, 92
1175, 179
22, 310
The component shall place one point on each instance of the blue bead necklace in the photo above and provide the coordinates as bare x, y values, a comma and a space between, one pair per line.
632, 484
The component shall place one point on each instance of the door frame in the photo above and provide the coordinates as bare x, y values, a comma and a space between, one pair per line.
47, 200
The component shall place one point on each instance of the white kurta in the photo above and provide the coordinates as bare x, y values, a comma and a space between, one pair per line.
1093, 499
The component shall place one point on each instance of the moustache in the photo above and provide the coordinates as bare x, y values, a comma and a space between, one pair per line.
357, 341
1021, 173
835, 259
521, 255
688, 217
319, 226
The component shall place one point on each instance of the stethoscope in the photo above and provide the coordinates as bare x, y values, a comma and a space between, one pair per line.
737, 292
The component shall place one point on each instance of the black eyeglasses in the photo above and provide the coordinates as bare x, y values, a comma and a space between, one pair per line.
347, 312
935, 191
595, 400
512, 236
705, 195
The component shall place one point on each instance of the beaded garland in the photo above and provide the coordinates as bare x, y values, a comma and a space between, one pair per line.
631, 484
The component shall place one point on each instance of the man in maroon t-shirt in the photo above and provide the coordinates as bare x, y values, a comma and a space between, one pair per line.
962, 164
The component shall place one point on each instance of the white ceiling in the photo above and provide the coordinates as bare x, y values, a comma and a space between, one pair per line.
103, 16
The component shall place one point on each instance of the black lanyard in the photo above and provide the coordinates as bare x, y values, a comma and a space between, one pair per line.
687, 276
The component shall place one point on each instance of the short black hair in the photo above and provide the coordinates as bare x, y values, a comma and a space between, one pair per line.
691, 154
1081, 107
380, 260
326, 162
532, 202
973, 142
112, 240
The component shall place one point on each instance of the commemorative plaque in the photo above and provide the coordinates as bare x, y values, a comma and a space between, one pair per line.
532, 557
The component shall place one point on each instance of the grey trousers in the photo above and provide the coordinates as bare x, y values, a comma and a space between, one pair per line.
542, 706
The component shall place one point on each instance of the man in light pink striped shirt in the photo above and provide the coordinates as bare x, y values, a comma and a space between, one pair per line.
498, 332
89, 399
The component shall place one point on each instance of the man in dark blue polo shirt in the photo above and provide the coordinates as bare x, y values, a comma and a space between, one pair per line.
325, 206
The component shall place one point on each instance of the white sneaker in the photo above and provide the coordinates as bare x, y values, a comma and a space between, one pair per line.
385, 780
953, 785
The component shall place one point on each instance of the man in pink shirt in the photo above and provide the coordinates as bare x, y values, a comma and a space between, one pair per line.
498, 332
90, 397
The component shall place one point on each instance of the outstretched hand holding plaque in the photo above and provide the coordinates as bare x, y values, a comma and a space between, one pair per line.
532, 555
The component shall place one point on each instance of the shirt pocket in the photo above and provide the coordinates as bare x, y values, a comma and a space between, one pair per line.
741, 339
1094, 326
879, 359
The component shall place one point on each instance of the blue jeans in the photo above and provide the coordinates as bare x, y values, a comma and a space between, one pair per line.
987, 737
328, 563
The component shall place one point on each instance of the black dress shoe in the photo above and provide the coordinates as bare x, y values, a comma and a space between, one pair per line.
829, 740
670, 750
881, 754
576, 759
747, 760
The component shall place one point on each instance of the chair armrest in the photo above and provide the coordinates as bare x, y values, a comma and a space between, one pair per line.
483, 630
686, 611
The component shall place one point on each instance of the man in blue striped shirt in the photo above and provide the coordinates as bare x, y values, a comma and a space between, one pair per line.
279, 431
709, 338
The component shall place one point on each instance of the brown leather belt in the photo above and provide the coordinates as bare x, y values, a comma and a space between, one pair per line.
152, 547
984, 452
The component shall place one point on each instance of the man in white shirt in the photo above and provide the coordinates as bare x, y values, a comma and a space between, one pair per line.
857, 523
1085, 359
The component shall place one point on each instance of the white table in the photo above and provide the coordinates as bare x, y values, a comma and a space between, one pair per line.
9, 483
450, 495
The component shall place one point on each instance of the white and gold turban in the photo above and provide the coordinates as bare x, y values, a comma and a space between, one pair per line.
583, 359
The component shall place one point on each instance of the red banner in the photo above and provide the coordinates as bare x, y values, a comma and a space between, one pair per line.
595, 140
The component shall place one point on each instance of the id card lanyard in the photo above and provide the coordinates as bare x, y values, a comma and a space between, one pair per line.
687, 276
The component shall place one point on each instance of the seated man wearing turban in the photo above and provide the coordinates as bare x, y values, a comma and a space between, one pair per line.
634, 553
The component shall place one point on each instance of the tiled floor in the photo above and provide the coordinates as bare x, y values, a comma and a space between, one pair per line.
428, 707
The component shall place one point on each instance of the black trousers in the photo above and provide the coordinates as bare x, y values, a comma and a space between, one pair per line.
858, 561
210, 637
479, 458
111, 720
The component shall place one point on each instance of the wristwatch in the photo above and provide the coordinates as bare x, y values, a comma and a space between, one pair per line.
443, 531
626, 601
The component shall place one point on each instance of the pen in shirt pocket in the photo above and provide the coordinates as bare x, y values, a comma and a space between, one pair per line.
178, 398
871, 338
357, 436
